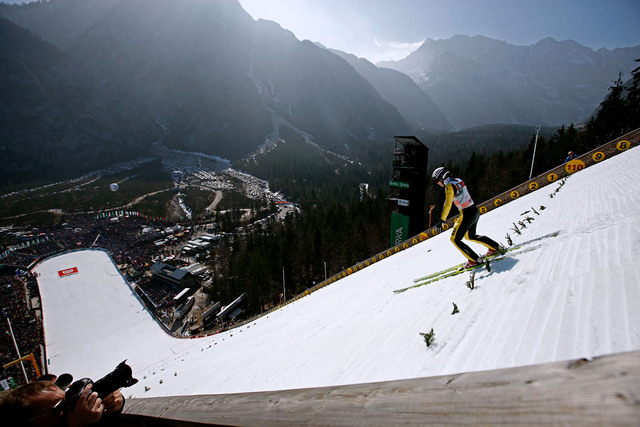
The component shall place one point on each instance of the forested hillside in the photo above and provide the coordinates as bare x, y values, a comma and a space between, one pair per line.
344, 230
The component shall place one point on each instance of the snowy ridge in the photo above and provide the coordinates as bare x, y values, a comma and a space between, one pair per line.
576, 296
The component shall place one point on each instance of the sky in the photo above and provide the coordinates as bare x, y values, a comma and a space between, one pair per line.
383, 30
571, 296
391, 29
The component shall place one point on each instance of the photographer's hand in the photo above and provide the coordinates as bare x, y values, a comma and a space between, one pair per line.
88, 410
113, 402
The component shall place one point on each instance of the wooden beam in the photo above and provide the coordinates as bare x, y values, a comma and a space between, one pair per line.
602, 391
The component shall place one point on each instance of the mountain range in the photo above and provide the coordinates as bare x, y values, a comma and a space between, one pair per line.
87, 83
478, 80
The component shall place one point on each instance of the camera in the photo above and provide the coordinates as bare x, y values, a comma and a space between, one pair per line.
120, 377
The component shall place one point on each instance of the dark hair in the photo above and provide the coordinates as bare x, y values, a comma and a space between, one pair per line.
15, 404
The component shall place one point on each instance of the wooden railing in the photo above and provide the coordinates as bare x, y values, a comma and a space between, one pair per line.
597, 392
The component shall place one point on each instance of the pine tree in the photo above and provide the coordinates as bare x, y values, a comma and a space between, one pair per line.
428, 337
612, 119
633, 98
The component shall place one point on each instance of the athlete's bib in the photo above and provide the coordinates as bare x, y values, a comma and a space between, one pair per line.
461, 196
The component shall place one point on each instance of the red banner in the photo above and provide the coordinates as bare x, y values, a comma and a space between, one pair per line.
68, 272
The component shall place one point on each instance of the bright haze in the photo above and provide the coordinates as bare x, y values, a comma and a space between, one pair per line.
383, 30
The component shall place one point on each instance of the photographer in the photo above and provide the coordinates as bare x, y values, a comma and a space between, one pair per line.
42, 403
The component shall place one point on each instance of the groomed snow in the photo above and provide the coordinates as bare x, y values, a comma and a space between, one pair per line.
576, 296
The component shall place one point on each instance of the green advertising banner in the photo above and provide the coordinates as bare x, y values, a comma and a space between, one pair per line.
399, 228
399, 184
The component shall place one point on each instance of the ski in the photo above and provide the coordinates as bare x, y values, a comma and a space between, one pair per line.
487, 265
450, 273
461, 265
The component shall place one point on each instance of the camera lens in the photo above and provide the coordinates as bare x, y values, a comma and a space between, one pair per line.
63, 381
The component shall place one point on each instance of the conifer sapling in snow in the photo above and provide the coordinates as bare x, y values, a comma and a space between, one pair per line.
428, 337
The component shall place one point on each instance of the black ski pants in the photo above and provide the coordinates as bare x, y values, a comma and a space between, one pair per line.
465, 226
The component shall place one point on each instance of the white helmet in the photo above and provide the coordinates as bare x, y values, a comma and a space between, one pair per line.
440, 174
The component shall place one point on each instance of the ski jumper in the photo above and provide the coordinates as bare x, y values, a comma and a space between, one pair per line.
465, 226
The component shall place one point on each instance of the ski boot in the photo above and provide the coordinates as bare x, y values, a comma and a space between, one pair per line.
472, 264
492, 252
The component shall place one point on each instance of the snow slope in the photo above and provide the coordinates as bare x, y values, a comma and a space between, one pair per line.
576, 296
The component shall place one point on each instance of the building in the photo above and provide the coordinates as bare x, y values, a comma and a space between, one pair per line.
165, 273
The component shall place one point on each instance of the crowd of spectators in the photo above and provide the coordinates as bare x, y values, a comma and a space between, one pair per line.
159, 295
19, 318
130, 242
